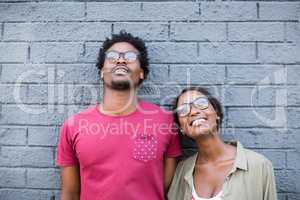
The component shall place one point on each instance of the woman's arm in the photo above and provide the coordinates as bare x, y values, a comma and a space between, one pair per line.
70, 183
169, 171
269, 183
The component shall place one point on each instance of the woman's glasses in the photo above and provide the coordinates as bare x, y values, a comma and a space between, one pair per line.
200, 103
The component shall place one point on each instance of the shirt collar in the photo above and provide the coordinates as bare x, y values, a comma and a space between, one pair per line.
241, 159
239, 163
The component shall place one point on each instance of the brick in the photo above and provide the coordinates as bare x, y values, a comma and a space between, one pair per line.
293, 161
41, 11
50, 94
27, 194
77, 74
167, 52
200, 74
240, 96
43, 178
12, 136
13, 93
281, 196
28, 73
232, 11
158, 93
293, 196
279, 10
91, 94
227, 52
113, 11
287, 180
12, 177
272, 96
165, 94
254, 31
91, 52
1, 30
292, 32
278, 53
277, 157
293, 74
293, 94
256, 74
198, 31
263, 137
31, 115
257, 117
13, 156
13, 52
293, 117
157, 73
42, 136
40, 94
146, 31
56, 31
56, 52
143, 11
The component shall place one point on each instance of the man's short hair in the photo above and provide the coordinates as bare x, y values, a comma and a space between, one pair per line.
123, 36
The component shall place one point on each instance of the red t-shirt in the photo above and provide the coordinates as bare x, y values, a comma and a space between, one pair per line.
120, 157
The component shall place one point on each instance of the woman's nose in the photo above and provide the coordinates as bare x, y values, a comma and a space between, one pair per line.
194, 110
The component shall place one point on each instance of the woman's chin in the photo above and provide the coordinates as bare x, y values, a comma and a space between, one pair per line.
199, 131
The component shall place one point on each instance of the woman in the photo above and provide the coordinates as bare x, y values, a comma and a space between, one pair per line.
219, 170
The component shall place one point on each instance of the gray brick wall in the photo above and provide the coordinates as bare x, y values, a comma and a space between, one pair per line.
246, 52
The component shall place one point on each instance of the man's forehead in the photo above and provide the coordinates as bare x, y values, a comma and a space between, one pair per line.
122, 46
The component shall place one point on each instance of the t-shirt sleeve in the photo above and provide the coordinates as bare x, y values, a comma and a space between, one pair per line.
66, 155
174, 147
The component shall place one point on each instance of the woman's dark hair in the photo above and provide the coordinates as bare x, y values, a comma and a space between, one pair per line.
123, 36
212, 100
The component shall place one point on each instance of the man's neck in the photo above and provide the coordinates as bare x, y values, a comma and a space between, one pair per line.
116, 102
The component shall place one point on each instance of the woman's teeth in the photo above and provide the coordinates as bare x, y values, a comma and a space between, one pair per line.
198, 122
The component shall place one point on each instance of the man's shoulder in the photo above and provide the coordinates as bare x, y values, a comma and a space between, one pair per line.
154, 107
81, 114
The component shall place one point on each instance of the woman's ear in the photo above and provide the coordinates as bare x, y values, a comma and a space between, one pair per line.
101, 74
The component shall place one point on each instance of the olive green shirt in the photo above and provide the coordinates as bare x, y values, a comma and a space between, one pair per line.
251, 178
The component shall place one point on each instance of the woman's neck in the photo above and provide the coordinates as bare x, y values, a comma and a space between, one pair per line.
212, 149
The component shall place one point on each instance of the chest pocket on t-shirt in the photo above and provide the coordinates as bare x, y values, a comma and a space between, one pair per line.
145, 147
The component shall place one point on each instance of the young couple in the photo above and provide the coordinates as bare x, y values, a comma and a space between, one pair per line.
126, 148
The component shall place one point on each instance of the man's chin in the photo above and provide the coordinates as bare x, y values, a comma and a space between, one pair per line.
121, 85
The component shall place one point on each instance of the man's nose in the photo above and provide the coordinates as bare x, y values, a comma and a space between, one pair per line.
121, 60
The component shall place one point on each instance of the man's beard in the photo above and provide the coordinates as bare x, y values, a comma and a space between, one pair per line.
121, 85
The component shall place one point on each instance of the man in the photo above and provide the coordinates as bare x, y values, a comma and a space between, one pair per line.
123, 148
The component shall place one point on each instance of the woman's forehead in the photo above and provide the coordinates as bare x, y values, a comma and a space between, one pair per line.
189, 96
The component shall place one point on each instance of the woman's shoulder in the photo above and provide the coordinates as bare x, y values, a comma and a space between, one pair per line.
187, 163
257, 160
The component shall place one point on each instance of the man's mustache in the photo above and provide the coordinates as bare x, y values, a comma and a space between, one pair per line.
116, 67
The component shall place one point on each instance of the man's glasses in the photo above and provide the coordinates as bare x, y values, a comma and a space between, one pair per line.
129, 56
200, 103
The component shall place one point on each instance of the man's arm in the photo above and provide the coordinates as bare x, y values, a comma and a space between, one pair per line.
170, 167
70, 183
